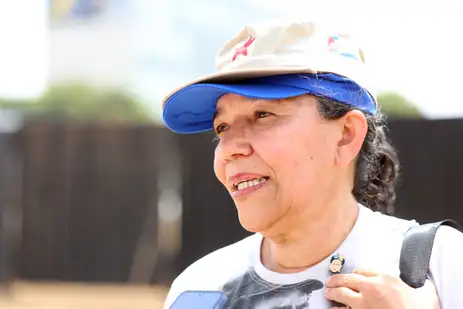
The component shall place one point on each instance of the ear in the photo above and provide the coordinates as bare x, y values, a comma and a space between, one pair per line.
354, 128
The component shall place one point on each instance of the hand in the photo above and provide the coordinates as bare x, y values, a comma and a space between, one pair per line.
366, 289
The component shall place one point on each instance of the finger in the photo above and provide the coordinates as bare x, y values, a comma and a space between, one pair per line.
351, 281
343, 295
383, 278
339, 305
366, 272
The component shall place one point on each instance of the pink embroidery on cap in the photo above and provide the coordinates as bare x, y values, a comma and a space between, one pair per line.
243, 50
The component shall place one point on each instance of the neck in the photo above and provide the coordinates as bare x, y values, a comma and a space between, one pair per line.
293, 250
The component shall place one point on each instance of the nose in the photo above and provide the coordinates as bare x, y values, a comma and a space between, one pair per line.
230, 148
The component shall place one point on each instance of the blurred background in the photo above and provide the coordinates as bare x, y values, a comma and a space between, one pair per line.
101, 206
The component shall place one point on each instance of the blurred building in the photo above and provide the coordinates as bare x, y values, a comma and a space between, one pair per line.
90, 40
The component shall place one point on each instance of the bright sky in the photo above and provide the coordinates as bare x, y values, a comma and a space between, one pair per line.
23, 48
412, 46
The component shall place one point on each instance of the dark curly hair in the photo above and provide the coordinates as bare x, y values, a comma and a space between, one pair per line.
377, 164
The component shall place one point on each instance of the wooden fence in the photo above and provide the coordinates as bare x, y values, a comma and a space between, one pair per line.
84, 198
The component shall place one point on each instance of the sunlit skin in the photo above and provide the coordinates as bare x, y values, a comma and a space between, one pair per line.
309, 163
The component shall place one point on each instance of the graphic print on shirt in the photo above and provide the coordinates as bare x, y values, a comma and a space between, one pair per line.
252, 292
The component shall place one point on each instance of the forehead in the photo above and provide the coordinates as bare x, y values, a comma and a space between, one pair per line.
233, 102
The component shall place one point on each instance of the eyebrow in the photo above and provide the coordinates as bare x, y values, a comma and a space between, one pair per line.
276, 102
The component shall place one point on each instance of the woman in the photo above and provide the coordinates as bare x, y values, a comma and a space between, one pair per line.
303, 153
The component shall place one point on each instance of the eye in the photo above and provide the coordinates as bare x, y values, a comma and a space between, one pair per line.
262, 114
220, 128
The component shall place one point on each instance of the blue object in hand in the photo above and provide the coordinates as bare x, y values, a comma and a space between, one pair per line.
200, 300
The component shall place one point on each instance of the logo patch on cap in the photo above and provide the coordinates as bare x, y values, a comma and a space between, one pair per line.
243, 50
338, 44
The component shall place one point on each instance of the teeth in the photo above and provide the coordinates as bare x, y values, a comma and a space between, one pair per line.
250, 183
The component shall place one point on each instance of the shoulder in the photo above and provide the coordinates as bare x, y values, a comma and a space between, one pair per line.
213, 270
446, 267
447, 236
378, 240
386, 226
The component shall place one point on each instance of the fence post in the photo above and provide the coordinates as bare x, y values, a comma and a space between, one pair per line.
10, 208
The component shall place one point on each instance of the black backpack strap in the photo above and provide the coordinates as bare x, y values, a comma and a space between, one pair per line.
416, 252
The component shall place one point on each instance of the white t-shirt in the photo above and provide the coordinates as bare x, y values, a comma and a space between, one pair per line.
374, 242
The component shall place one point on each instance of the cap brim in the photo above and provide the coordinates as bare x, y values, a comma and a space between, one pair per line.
191, 109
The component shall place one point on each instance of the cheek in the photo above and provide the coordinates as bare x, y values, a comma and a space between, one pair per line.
307, 157
319, 149
219, 167
308, 149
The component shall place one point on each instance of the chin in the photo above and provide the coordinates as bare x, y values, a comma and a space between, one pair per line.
254, 222
252, 228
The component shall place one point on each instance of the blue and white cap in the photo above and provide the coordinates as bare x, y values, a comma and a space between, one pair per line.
275, 60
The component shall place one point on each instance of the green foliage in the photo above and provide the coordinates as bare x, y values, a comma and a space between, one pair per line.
395, 105
79, 102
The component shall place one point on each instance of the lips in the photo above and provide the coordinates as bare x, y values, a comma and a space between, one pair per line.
249, 183
245, 180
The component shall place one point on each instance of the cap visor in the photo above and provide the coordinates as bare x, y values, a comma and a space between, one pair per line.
192, 109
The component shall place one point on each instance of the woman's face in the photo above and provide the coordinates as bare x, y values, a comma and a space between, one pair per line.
276, 158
